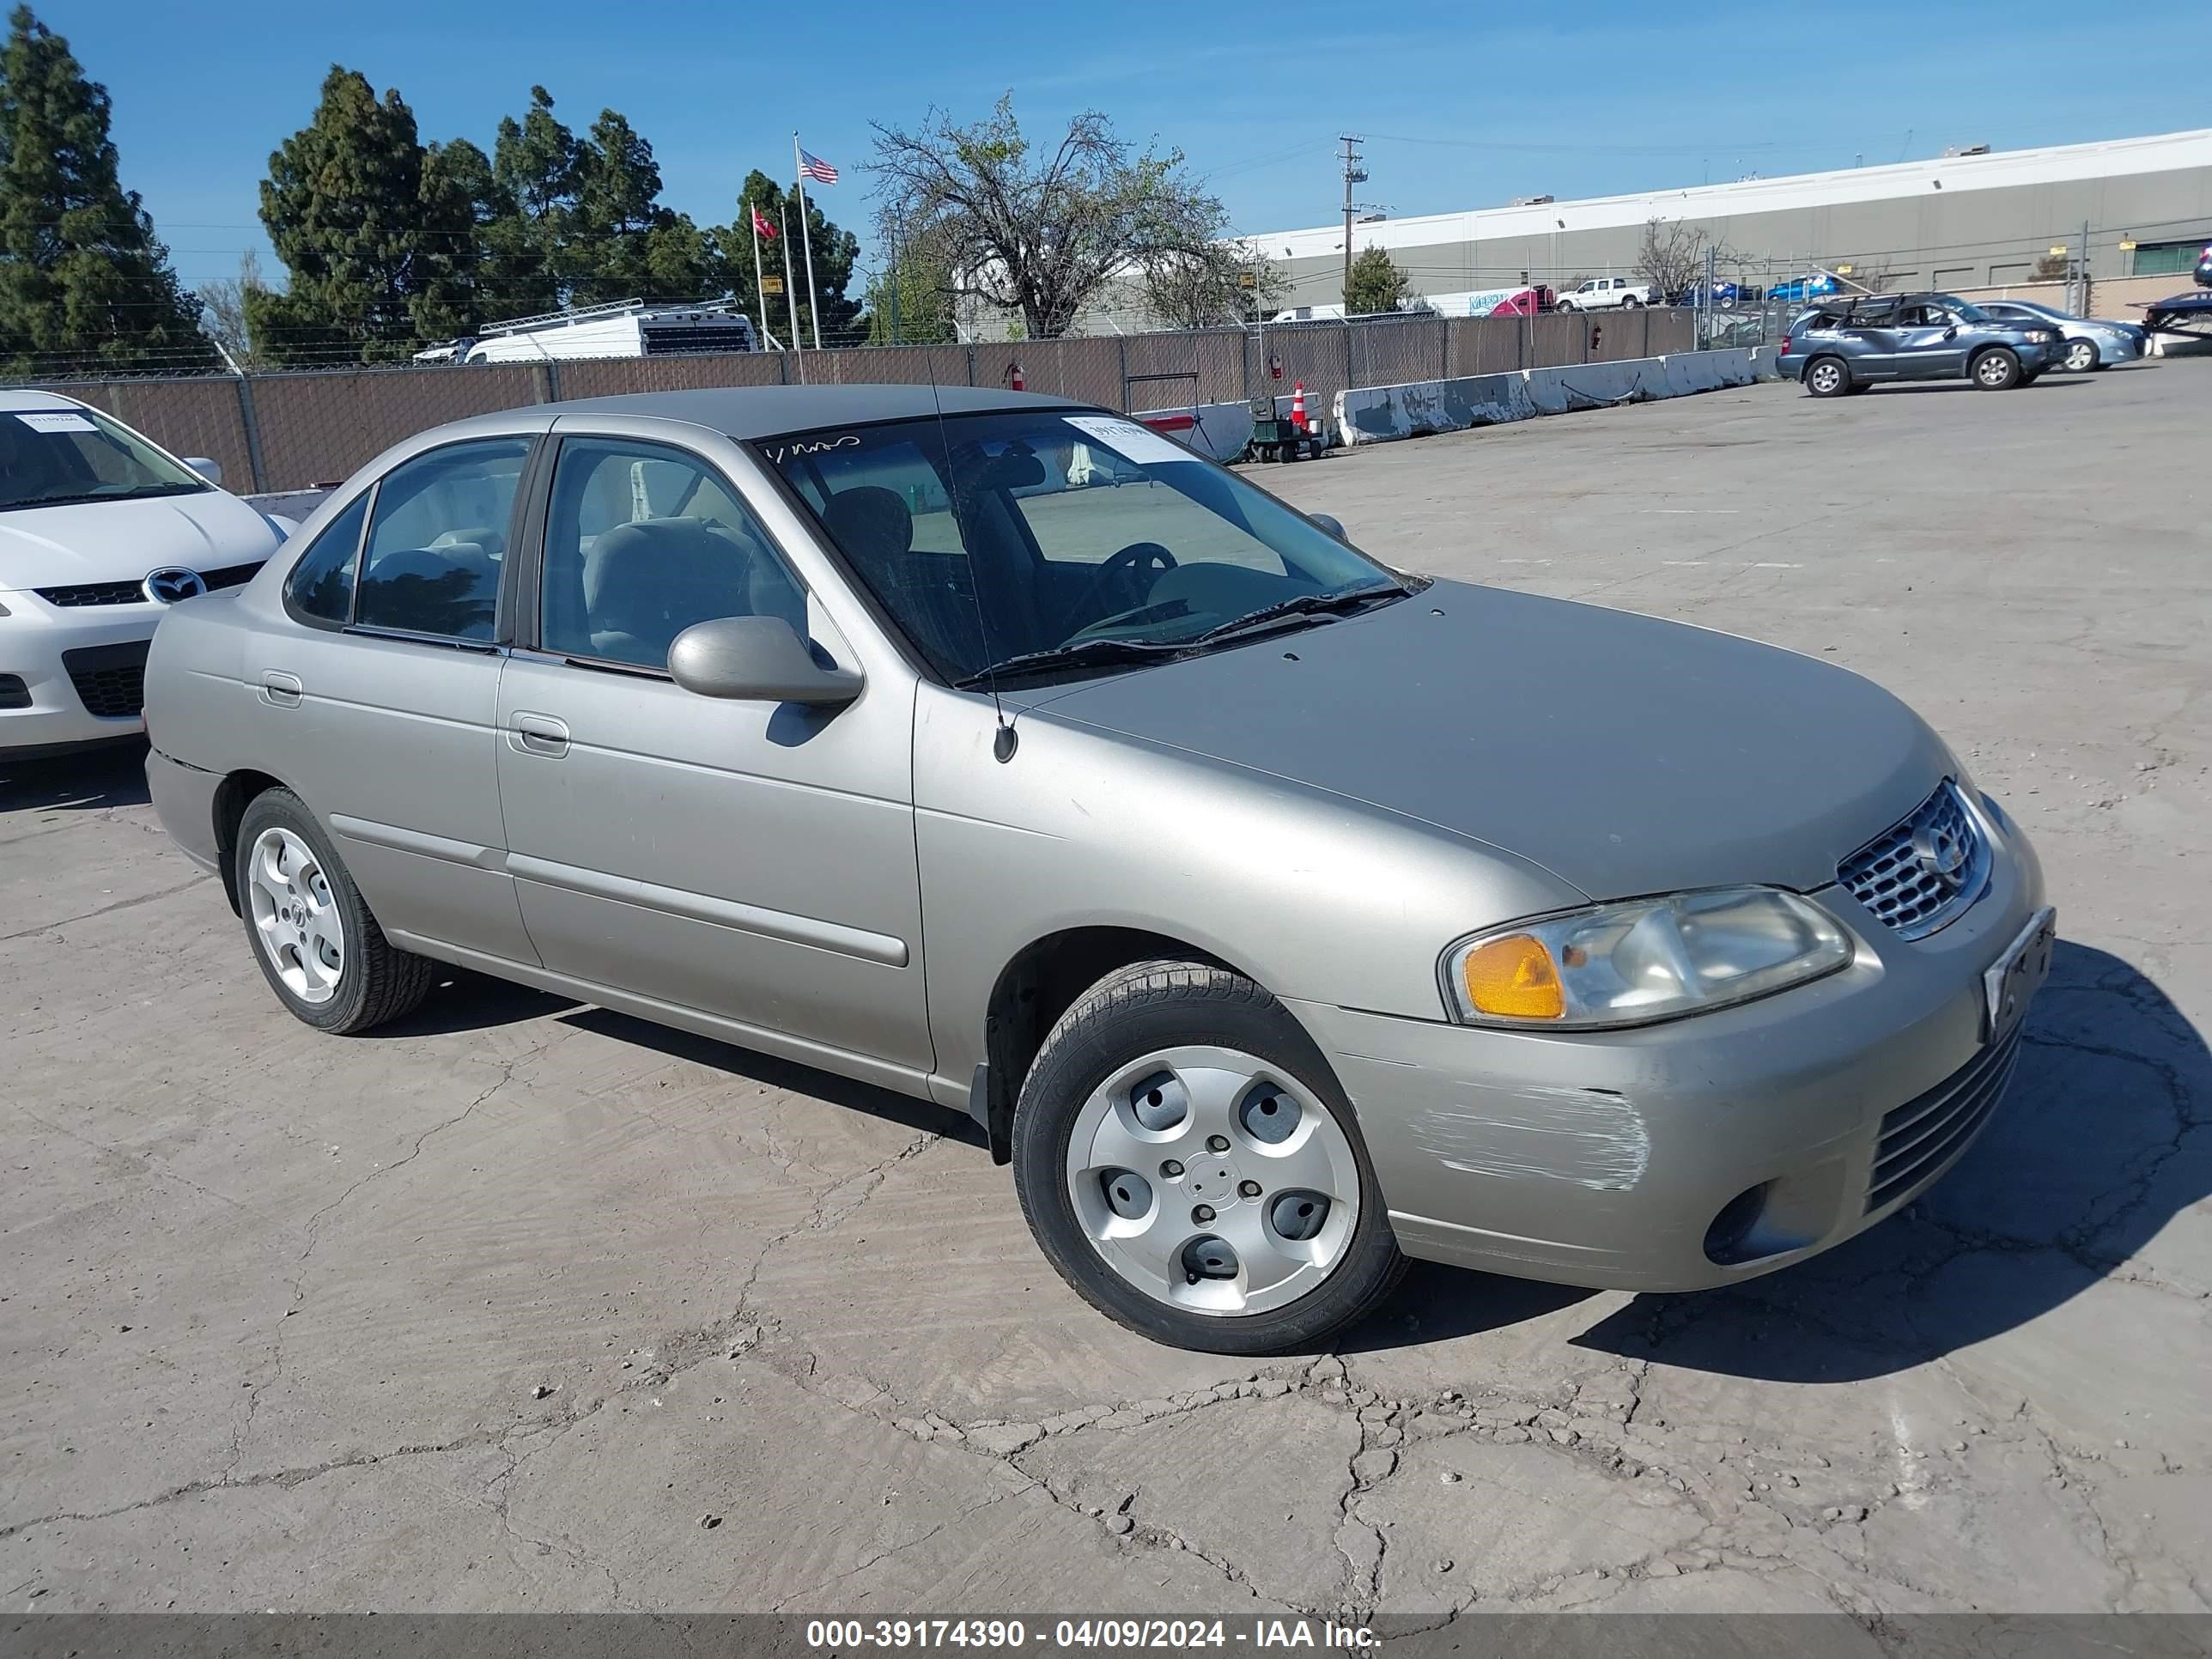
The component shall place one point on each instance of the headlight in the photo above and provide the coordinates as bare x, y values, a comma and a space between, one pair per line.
2040, 336
1643, 960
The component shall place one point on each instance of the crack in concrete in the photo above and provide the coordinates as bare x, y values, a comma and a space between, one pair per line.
104, 910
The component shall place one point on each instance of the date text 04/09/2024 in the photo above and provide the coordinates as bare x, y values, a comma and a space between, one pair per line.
1086, 1634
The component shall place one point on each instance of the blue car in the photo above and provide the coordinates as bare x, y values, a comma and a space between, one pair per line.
1799, 290
1849, 345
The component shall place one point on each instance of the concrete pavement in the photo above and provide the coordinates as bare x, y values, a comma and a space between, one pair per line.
519, 1304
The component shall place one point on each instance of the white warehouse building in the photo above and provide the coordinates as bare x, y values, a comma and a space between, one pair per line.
1956, 221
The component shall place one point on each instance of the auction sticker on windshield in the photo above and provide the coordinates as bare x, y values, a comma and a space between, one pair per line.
1131, 441
54, 419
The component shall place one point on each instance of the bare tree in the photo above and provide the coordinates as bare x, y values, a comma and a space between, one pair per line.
1672, 255
224, 320
1212, 284
1035, 234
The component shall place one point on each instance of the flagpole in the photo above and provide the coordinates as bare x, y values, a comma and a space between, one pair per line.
805, 236
753, 220
791, 291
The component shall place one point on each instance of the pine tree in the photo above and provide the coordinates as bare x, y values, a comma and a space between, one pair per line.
835, 251
378, 234
85, 284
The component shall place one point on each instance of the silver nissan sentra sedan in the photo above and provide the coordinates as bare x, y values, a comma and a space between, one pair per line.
1276, 914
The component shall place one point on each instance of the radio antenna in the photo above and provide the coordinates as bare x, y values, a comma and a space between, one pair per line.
1004, 740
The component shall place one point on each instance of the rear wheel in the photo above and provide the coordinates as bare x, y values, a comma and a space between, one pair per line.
2082, 356
1189, 1166
319, 946
1996, 369
1631, 303
1827, 377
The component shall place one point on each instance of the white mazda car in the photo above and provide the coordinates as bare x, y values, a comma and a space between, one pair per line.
101, 531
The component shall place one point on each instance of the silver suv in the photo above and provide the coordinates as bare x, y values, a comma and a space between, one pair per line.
1847, 343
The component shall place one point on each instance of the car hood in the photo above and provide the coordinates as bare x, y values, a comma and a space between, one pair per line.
121, 541
1624, 755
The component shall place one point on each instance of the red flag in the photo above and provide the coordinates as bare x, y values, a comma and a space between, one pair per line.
760, 223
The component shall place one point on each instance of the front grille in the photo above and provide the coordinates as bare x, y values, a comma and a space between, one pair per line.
110, 679
1899, 875
134, 592
1921, 1135
94, 593
231, 575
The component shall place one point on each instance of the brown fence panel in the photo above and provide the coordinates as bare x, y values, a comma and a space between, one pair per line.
1557, 340
1615, 337
1672, 331
1313, 353
318, 428
709, 371
607, 377
185, 417
945, 364
1221, 370
1397, 352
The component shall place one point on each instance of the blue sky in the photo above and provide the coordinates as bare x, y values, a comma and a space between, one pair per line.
1463, 104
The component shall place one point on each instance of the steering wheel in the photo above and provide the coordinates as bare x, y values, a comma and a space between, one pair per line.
1148, 556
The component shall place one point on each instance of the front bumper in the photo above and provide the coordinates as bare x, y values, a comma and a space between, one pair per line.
1612, 1158
40, 644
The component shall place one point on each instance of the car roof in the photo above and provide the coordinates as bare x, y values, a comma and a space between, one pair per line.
17, 397
764, 411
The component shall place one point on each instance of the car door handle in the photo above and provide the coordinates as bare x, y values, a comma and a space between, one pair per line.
282, 690
541, 734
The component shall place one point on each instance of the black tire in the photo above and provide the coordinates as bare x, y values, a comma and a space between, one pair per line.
2076, 348
1165, 1004
1827, 377
1631, 303
1997, 368
378, 982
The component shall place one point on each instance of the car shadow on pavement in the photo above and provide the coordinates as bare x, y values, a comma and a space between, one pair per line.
464, 1001
2086, 1160
111, 776
750, 1065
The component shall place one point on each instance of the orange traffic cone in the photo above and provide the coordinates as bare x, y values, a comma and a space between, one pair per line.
1299, 406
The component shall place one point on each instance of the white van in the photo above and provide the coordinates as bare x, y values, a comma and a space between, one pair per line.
627, 328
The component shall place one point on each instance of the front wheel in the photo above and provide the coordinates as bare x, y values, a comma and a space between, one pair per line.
1996, 369
2082, 356
311, 931
1190, 1166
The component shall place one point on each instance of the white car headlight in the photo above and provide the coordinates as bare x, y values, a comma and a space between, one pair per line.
1643, 960
2040, 336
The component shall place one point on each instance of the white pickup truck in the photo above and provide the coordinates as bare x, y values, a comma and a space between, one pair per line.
1602, 293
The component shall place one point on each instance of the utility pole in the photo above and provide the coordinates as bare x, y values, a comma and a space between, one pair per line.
1353, 174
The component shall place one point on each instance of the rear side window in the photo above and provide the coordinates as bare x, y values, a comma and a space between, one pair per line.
438, 539
320, 586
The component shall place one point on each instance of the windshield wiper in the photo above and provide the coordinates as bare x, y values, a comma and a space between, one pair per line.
86, 497
1077, 653
1299, 604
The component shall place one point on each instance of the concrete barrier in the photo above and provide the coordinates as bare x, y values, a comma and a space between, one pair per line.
1220, 430
1380, 414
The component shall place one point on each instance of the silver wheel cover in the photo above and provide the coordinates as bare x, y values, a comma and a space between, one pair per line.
295, 915
1214, 1155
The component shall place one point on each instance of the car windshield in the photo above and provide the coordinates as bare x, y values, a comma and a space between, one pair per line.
59, 457
1035, 542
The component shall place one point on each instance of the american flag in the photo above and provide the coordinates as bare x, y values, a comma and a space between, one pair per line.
815, 169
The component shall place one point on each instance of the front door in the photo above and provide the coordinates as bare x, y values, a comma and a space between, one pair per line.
381, 713
1931, 343
749, 861
1871, 333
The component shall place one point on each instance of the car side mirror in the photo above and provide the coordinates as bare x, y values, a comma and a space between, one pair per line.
1952, 333
208, 467
757, 659
1329, 523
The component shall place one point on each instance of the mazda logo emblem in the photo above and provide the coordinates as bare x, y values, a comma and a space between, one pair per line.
170, 586
1940, 854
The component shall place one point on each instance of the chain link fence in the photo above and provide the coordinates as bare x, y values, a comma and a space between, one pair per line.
298, 431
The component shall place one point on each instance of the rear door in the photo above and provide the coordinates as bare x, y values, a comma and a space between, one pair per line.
381, 712
1869, 337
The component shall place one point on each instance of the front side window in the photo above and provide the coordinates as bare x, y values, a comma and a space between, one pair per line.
1046, 541
64, 457
438, 539
642, 541
320, 586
